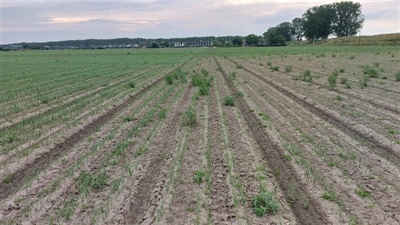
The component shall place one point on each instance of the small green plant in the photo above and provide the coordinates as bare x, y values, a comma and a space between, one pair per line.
169, 79
131, 84
233, 75
162, 114
287, 157
344, 80
364, 81
306, 76
68, 208
239, 93
189, 118
264, 202
229, 101
288, 68
341, 70
332, 81
8, 179
362, 192
238, 66
88, 181
141, 151
199, 175
275, 68
269, 63
352, 57
397, 76
372, 73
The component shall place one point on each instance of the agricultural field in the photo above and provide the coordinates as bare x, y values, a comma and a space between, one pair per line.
288, 135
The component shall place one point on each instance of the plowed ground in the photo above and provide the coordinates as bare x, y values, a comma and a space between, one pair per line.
128, 155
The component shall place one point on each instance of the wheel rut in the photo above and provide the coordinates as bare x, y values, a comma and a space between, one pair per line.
40, 163
273, 154
383, 150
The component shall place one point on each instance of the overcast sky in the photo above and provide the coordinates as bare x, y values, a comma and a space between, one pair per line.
52, 20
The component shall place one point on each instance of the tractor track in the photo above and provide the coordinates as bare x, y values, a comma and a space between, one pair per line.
383, 150
273, 155
39, 164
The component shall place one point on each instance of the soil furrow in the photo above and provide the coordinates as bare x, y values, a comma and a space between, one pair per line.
376, 144
164, 146
274, 156
54, 153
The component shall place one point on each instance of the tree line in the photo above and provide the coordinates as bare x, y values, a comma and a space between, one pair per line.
341, 19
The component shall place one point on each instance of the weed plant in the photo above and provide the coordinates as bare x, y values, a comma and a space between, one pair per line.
189, 118
306, 76
288, 69
169, 79
370, 72
87, 181
229, 101
332, 81
264, 202
199, 175
131, 84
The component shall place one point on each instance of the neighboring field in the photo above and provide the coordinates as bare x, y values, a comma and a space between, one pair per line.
290, 135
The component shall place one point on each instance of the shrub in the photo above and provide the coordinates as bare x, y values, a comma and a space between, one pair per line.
264, 202
169, 79
229, 101
189, 118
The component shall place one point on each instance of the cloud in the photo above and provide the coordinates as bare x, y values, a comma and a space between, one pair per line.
82, 19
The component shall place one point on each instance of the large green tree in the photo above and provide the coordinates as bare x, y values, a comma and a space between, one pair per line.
297, 31
252, 40
317, 21
348, 19
284, 30
237, 41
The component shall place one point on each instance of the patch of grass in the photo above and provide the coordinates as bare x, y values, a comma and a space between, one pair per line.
141, 151
189, 118
8, 178
229, 101
362, 192
169, 79
88, 181
287, 157
68, 208
339, 97
239, 93
264, 202
131, 84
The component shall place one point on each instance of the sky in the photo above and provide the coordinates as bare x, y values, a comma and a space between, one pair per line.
54, 20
